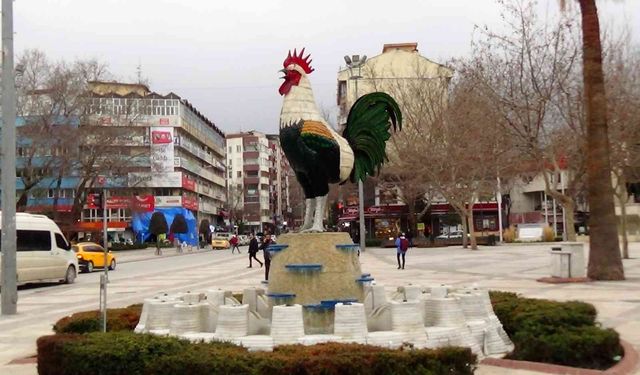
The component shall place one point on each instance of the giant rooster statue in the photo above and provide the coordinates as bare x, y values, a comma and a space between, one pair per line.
317, 153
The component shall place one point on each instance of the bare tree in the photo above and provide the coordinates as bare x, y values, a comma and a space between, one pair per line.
622, 67
530, 73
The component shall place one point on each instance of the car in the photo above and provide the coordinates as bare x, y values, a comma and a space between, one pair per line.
43, 254
220, 240
91, 255
243, 239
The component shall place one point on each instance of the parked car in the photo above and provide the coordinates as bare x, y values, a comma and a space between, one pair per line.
43, 254
243, 239
91, 255
220, 240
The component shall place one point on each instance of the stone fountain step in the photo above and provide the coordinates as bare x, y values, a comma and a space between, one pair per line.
348, 247
304, 267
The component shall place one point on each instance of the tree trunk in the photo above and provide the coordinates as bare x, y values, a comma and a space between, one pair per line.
605, 262
472, 235
623, 225
569, 209
465, 225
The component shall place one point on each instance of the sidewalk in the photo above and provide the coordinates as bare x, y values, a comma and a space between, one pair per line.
506, 267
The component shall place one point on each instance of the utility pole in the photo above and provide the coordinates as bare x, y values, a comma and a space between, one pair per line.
356, 61
9, 283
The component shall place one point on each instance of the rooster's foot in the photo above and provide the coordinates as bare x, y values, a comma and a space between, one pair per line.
313, 229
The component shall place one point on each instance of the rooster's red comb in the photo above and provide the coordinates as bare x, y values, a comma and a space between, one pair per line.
303, 62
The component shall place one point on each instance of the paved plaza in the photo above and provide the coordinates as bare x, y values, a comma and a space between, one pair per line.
512, 268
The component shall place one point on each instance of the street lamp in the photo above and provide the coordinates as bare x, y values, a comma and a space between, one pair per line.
356, 62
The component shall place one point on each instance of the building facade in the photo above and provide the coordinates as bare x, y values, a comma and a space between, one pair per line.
161, 154
399, 67
258, 181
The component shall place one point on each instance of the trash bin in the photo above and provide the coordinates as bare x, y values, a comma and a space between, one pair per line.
491, 240
568, 261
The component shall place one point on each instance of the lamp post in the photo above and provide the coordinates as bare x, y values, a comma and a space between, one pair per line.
9, 299
356, 62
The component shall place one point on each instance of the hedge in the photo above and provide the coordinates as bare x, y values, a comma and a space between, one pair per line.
129, 353
124, 319
563, 333
117, 246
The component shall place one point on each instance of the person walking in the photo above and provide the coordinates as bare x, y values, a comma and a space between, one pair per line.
402, 245
253, 250
234, 244
267, 256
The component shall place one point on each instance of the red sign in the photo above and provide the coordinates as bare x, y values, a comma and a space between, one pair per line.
145, 203
189, 202
188, 183
160, 137
164, 121
118, 202
350, 211
93, 201
101, 180
105, 120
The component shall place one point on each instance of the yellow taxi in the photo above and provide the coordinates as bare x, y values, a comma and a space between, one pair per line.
220, 240
91, 255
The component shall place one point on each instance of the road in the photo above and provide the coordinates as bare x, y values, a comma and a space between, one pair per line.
140, 274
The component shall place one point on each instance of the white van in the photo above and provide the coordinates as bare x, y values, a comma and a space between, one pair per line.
43, 254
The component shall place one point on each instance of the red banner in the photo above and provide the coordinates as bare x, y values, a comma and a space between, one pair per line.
189, 202
188, 183
118, 202
145, 203
160, 137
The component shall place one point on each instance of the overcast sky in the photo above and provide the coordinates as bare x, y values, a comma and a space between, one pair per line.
224, 56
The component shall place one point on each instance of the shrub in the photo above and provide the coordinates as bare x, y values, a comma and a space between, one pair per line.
509, 234
128, 353
124, 319
373, 242
547, 234
564, 333
116, 246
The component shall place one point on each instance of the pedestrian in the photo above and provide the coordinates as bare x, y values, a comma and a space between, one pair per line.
234, 244
253, 250
402, 245
267, 256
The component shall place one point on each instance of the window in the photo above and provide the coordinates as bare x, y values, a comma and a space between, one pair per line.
230, 174
51, 193
239, 174
238, 148
33, 240
230, 149
61, 242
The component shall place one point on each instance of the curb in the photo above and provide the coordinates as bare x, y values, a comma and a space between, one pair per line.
625, 367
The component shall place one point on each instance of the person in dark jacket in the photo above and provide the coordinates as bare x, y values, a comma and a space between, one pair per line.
267, 257
253, 250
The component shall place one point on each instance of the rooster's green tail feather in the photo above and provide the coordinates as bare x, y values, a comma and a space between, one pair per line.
367, 132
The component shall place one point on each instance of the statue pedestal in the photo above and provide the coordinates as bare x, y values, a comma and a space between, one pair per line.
314, 269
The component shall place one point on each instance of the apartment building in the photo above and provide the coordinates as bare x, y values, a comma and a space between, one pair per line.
258, 187
172, 160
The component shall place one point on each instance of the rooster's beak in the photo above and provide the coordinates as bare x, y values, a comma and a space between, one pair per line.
283, 71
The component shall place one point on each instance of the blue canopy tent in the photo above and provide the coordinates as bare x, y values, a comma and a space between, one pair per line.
141, 221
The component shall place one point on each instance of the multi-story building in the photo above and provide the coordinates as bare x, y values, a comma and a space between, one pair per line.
172, 157
399, 66
258, 190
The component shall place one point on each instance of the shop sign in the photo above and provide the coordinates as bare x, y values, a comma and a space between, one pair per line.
143, 203
144, 179
168, 201
119, 202
162, 153
188, 183
190, 202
